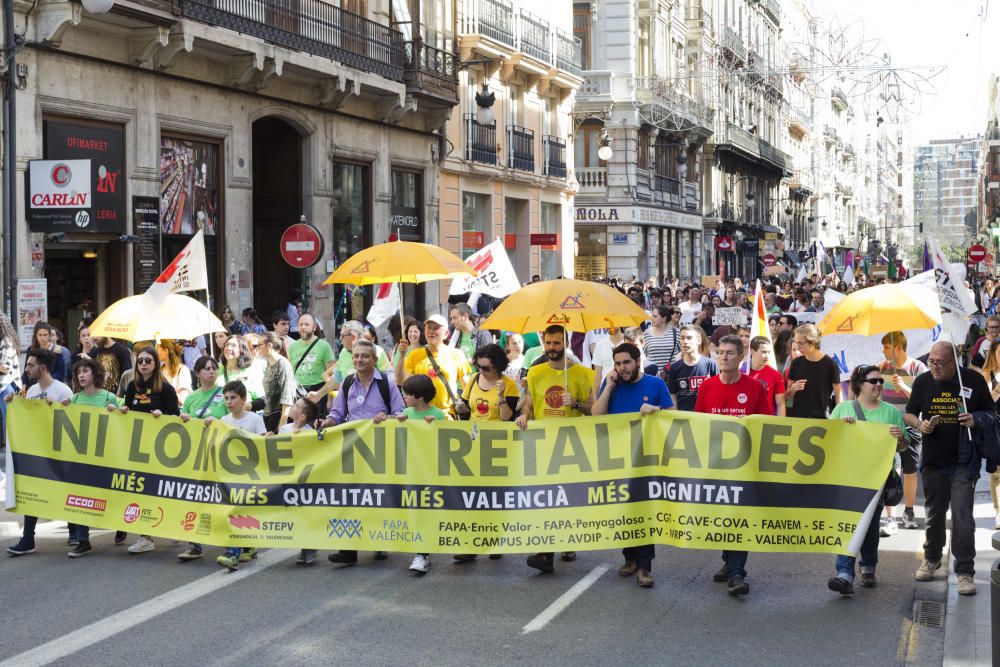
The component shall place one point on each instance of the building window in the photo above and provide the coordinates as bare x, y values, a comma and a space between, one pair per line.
475, 222
585, 145
643, 150
351, 224
591, 254
581, 29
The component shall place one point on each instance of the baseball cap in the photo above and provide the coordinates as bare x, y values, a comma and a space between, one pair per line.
437, 319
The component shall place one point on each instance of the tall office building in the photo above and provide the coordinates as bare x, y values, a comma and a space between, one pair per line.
945, 188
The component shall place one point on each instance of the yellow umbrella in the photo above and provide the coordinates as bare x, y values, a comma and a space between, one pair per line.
576, 305
399, 262
883, 308
179, 317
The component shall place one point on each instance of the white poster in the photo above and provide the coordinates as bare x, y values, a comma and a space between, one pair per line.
496, 274
32, 307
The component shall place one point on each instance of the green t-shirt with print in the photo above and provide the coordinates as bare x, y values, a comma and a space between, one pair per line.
310, 371
431, 411
197, 400
100, 399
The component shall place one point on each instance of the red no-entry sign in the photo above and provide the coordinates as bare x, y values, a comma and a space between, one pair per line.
769, 260
977, 253
301, 245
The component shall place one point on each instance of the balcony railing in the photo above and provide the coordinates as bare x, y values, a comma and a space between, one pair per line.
755, 146
839, 97
569, 53
430, 70
732, 42
311, 26
521, 148
830, 133
554, 150
480, 140
592, 179
673, 101
523, 31
802, 116
756, 66
772, 8
595, 83
669, 185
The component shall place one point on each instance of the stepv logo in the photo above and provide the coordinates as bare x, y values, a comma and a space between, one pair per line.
244, 521
345, 527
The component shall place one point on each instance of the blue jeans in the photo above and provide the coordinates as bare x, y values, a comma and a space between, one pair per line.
868, 551
736, 563
233, 552
79, 532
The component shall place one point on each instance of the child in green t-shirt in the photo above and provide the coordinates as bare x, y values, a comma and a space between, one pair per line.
418, 392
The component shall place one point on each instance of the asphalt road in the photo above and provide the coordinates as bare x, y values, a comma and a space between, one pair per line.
111, 608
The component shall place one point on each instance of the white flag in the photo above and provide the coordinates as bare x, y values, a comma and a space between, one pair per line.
496, 273
802, 273
186, 273
385, 305
954, 297
849, 275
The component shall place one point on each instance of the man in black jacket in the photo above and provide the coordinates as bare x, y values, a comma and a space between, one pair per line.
941, 406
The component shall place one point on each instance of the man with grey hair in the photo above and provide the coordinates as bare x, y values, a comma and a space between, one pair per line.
465, 336
943, 404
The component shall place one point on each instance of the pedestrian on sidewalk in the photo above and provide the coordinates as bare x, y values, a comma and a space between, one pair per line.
942, 404
867, 386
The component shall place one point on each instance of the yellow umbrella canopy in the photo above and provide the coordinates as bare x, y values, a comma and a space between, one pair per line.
179, 317
399, 262
576, 305
883, 308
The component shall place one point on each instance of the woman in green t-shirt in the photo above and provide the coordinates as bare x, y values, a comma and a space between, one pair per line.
88, 383
867, 384
206, 400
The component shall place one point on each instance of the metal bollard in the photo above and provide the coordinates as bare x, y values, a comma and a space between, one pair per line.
995, 602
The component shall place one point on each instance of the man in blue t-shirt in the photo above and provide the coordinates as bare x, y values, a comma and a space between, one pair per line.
627, 389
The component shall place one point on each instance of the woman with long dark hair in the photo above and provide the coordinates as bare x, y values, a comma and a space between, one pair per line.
149, 392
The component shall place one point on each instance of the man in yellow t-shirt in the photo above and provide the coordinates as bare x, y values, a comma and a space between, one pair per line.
453, 366
548, 397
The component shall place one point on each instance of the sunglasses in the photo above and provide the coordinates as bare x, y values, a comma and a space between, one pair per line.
484, 368
877, 381
142, 361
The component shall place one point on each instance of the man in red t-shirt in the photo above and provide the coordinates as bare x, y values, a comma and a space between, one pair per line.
761, 354
733, 394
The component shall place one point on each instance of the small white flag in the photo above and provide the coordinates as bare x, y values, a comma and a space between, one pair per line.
496, 274
802, 274
385, 304
954, 296
186, 273
849, 275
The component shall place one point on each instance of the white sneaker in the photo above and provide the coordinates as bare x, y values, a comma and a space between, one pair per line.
966, 585
888, 526
996, 522
420, 563
142, 545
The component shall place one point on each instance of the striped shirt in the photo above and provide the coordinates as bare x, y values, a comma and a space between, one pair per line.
662, 350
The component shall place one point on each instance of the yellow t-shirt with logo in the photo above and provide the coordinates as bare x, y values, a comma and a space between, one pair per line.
547, 384
453, 365
483, 404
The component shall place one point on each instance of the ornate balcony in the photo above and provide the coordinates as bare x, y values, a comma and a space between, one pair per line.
430, 74
732, 45
666, 105
310, 26
839, 99
773, 10
592, 180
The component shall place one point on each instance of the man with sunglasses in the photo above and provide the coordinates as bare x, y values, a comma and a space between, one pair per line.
941, 405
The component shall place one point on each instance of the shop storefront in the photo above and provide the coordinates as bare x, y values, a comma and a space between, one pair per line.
637, 241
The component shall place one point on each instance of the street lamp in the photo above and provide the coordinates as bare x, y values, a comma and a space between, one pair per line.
484, 100
605, 152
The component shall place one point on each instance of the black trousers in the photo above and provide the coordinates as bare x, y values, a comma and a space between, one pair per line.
642, 555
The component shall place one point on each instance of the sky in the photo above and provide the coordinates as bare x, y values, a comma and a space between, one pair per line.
948, 33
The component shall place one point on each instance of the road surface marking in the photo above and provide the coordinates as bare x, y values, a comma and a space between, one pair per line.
563, 601
127, 619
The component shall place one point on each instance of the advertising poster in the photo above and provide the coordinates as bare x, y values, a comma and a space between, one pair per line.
189, 189
32, 307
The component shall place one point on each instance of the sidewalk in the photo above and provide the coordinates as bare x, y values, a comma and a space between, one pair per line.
967, 630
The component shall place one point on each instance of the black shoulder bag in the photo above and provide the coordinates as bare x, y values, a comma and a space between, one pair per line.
447, 385
892, 492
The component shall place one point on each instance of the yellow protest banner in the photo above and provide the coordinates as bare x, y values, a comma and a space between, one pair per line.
677, 478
